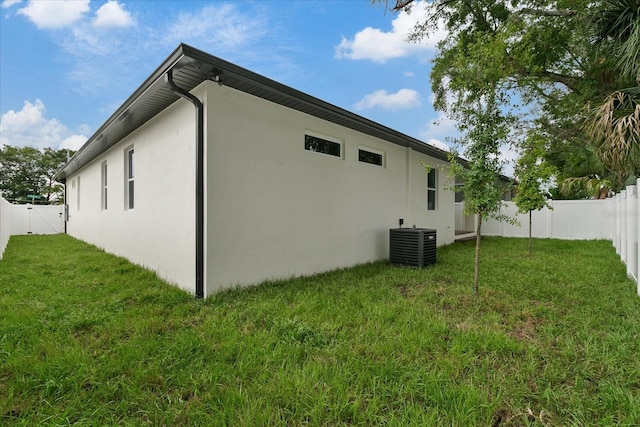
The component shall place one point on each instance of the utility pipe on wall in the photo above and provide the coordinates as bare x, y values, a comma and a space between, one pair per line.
168, 79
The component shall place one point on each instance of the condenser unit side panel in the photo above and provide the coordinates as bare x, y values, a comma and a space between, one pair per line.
412, 247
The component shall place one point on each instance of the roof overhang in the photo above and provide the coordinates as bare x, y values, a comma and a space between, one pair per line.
191, 67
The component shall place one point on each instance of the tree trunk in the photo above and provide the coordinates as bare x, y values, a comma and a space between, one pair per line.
529, 232
476, 276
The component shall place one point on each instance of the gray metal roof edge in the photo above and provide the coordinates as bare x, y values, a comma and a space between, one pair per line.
395, 135
166, 65
82, 157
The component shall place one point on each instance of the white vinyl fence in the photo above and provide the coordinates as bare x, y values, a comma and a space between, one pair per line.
567, 219
5, 224
625, 228
28, 219
616, 219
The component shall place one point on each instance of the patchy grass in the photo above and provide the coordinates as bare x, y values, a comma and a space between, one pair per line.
552, 339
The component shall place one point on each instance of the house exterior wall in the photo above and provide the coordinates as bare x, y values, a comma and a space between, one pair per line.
443, 217
276, 210
158, 232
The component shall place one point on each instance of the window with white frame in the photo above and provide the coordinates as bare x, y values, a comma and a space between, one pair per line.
322, 145
129, 193
370, 156
431, 189
78, 193
103, 185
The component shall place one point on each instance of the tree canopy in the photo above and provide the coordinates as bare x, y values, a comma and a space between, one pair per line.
615, 123
28, 171
567, 68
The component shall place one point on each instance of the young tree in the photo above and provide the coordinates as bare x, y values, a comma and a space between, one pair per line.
470, 85
486, 129
532, 174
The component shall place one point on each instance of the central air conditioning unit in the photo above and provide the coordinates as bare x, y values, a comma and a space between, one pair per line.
415, 247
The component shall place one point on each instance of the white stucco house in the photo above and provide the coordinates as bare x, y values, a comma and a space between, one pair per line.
214, 176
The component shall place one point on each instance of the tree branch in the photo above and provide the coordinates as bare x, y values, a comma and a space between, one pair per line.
570, 82
543, 12
401, 4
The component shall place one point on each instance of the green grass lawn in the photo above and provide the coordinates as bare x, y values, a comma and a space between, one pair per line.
551, 339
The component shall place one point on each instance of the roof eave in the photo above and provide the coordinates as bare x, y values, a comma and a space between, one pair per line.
156, 76
195, 67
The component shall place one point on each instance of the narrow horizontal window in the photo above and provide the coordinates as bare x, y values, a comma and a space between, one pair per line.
366, 156
319, 145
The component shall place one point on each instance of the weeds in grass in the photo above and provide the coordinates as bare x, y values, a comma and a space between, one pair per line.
551, 339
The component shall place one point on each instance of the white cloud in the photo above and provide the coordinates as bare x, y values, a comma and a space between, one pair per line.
99, 56
380, 46
408, 73
74, 142
96, 52
439, 144
402, 99
8, 3
30, 127
55, 14
440, 131
112, 14
221, 28
223, 25
84, 129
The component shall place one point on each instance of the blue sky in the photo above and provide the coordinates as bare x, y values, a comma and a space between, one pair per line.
65, 67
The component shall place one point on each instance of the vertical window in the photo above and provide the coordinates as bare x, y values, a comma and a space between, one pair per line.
431, 190
103, 186
78, 193
128, 174
459, 192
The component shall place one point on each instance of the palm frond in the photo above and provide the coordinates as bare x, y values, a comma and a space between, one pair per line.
615, 126
590, 187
